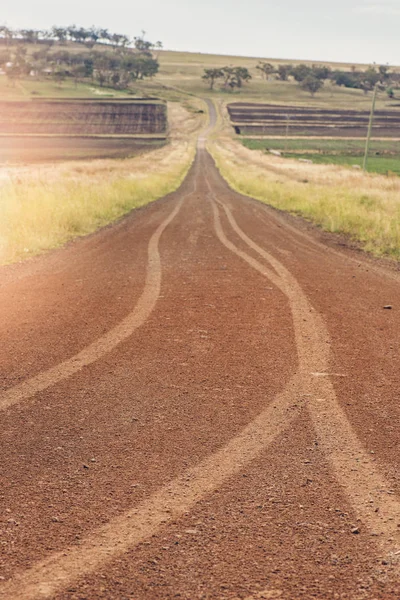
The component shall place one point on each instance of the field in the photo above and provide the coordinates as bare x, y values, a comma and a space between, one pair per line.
42, 130
83, 117
44, 207
47, 205
271, 120
183, 70
333, 113
384, 156
34, 149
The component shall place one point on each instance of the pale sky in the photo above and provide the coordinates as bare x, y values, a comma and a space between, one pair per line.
364, 31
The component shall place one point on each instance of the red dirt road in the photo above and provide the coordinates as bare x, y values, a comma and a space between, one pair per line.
200, 402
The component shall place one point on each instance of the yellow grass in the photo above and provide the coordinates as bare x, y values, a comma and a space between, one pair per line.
364, 206
45, 207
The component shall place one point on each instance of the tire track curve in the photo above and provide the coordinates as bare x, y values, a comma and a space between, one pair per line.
107, 342
171, 502
369, 493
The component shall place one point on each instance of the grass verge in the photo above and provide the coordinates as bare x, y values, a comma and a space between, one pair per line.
45, 207
365, 207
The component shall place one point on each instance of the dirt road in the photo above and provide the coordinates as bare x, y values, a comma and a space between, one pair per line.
200, 402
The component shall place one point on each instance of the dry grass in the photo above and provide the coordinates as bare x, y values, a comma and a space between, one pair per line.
186, 117
44, 207
364, 206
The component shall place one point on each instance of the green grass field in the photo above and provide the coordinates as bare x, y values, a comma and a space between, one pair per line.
384, 156
376, 164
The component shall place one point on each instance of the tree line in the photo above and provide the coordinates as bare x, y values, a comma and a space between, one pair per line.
310, 78
108, 59
61, 35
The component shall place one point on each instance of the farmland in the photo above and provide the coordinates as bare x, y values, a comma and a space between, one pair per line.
18, 149
278, 120
63, 129
83, 117
384, 156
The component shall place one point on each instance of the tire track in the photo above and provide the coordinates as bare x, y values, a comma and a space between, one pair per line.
170, 503
112, 338
368, 492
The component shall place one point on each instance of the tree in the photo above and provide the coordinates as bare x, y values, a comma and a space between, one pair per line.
368, 80
227, 73
321, 72
59, 33
30, 36
348, 80
60, 75
139, 66
311, 84
242, 75
284, 71
93, 34
142, 45
158, 46
19, 66
117, 66
7, 35
266, 69
384, 74
104, 36
101, 67
301, 72
235, 77
211, 75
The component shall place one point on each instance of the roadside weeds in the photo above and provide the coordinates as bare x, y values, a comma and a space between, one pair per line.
365, 207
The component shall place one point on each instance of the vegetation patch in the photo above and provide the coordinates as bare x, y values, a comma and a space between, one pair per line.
45, 207
384, 154
78, 54
363, 206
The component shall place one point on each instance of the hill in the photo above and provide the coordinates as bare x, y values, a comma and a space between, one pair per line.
184, 70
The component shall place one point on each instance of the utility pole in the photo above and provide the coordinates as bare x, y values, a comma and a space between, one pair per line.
287, 132
371, 122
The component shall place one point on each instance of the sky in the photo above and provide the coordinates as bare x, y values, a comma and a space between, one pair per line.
364, 31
